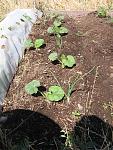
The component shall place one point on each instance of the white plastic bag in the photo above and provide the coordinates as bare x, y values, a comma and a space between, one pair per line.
14, 30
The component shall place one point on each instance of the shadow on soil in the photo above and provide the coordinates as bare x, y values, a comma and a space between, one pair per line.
92, 133
28, 130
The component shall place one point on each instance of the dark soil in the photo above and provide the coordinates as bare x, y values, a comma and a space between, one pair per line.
93, 95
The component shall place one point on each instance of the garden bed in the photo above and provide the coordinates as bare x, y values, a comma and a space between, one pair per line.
90, 41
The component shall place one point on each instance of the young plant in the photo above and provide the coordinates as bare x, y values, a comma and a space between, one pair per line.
57, 30
39, 43
56, 16
77, 78
28, 43
32, 87
66, 61
102, 12
76, 114
54, 94
69, 143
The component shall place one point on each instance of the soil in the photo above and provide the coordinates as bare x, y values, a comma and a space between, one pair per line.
93, 49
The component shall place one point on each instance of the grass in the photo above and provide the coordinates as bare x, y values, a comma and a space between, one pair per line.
89, 5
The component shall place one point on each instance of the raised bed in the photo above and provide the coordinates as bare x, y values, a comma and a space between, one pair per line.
90, 41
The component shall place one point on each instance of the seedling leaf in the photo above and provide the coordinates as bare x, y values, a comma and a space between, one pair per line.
50, 30
53, 56
68, 61
57, 23
28, 43
39, 43
61, 18
76, 113
63, 30
32, 87
55, 93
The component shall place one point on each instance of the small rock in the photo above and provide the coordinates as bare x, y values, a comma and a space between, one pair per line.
80, 107
111, 75
111, 67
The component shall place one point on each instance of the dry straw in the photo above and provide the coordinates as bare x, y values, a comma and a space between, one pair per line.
9, 5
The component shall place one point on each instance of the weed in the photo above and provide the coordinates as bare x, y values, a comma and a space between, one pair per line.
108, 106
72, 85
102, 11
69, 138
76, 113
78, 77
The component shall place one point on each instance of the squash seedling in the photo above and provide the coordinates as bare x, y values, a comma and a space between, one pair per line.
57, 30
32, 87
66, 61
39, 43
28, 43
56, 16
54, 94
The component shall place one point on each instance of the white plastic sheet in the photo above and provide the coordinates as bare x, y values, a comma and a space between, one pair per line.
14, 30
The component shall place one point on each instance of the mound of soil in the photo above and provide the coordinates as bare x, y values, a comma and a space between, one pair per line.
90, 40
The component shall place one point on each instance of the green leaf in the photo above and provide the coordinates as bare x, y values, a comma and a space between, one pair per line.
57, 23
63, 30
57, 30
76, 113
32, 87
39, 43
60, 18
68, 60
102, 12
50, 30
55, 93
53, 56
28, 43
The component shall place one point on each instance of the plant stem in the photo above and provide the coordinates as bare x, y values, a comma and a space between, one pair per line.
58, 83
42, 94
77, 79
